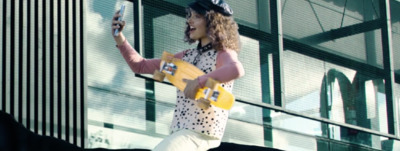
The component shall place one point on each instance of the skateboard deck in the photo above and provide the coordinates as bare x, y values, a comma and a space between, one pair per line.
175, 70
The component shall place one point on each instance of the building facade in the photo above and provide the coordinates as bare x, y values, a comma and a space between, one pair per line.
320, 74
43, 66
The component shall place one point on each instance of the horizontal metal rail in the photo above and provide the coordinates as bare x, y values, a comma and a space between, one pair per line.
283, 110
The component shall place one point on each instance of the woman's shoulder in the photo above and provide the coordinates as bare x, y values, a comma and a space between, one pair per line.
228, 51
189, 51
183, 53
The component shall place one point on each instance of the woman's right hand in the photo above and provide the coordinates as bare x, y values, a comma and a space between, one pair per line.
117, 25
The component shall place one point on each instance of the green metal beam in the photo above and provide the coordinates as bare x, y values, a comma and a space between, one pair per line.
343, 32
388, 66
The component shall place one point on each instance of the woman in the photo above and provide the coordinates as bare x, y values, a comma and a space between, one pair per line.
210, 23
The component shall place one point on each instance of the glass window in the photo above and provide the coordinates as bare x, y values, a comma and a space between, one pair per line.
246, 12
8, 51
248, 88
117, 103
160, 36
1, 54
247, 119
164, 114
101, 137
170, 38
106, 67
116, 98
395, 18
1, 29
366, 141
166, 37
397, 101
303, 77
290, 138
311, 22
251, 13
322, 89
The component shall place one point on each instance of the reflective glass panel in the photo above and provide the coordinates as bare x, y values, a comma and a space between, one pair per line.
170, 38
321, 24
397, 104
115, 97
395, 18
251, 13
317, 88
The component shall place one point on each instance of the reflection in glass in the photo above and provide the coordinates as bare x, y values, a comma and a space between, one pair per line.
395, 18
116, 98
318, 88
312, 22
248, 87
397, 104
358, 137
303, 78
245, 12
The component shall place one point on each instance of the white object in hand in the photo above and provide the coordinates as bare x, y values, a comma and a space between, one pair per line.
121, 11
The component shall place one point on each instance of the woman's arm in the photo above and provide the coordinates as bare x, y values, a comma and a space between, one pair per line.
228, 68
137, 63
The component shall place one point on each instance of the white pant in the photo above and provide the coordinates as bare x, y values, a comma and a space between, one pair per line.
187, 140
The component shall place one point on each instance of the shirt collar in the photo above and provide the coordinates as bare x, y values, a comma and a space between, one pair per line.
205, 48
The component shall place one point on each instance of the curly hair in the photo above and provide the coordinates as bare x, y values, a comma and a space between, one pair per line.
222, 30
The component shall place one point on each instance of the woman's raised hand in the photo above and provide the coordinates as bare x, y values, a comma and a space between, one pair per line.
116, 24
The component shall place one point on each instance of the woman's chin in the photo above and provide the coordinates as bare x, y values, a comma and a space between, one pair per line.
194, 38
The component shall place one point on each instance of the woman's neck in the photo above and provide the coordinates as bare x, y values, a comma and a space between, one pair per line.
204, 41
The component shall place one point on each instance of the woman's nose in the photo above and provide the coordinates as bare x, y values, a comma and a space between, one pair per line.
190, 20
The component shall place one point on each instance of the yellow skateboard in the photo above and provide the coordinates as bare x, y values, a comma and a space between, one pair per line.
176, 70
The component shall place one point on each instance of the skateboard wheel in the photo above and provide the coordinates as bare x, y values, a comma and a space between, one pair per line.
159, 76
203, 103
212, 84
212, 91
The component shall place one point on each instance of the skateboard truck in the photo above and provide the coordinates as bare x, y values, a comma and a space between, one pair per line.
166, 66
169, 68
211, 91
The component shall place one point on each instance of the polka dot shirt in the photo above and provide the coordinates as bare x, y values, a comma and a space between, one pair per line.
187, 114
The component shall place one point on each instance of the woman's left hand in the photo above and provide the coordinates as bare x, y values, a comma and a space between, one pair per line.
191, 88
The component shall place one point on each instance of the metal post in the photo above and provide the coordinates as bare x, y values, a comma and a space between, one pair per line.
388, 64
277, 45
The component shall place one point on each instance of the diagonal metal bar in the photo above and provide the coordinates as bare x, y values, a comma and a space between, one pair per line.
343, 32
388, 66
374, 7
316, 16
343, 14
